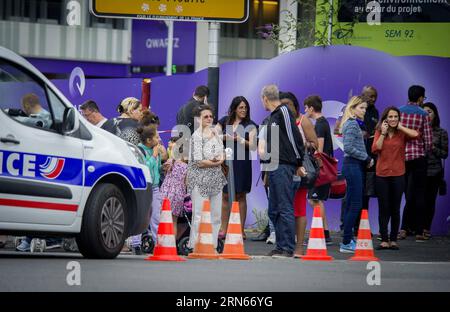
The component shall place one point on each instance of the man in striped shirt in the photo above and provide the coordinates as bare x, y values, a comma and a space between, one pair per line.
288, 155
414, 117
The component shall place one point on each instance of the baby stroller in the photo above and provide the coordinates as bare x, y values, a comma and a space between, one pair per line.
184, 231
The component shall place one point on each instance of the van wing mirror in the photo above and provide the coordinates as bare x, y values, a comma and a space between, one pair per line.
70, 122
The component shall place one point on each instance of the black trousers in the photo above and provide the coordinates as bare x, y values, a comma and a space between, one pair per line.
431, 193
390, 191
415, 188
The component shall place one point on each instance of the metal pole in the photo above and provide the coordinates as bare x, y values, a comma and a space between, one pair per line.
213, 66
169, 59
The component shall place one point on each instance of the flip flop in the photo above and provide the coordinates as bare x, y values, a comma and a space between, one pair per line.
382, 247
394, 247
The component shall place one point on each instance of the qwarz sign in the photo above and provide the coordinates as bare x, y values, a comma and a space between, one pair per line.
149, 43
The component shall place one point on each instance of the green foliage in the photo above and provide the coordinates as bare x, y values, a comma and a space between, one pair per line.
312, 27
261, 219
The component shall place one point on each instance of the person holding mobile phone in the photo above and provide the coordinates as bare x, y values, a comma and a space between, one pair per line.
239, 132
389, 144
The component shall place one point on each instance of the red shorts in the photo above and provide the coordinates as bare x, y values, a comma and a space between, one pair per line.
300, 202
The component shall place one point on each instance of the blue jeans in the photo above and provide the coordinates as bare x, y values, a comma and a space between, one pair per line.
281, 206
353, 170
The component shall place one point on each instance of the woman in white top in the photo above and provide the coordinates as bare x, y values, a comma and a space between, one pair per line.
205, 179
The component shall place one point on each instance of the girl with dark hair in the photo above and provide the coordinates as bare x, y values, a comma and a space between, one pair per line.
174, 185
150, 144
239, 133
389, 144
435, 171
205, 179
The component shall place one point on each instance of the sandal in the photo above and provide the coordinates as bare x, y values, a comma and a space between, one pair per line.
402, 235
421, 238
299, 254
383, 246
222, 235
394, 246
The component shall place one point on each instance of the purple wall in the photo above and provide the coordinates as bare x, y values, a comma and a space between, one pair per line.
335, 73
56, 66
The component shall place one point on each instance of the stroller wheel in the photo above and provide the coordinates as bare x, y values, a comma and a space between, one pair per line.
182, 246
220, 245
147, 244
70, 245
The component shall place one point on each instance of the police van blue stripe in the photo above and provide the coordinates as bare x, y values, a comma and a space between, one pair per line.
36, 166
134, 175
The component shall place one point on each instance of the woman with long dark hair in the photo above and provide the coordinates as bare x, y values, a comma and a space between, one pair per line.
239, 133
435, 170
389, 144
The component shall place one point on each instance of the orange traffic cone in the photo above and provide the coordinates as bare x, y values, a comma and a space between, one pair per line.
317, 248
204, 248
364, 247
165, 249
234, 243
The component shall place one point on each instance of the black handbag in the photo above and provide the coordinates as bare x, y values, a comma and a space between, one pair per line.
369, 189
312, 171
443, 183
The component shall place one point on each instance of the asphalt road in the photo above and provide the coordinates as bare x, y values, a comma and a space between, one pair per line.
416, 267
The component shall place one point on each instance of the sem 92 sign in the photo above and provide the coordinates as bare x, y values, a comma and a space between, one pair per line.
229, 11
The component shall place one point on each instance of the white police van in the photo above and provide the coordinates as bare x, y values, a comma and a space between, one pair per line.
60, 175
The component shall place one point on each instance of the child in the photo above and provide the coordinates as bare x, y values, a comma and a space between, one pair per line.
150, 144
174, 185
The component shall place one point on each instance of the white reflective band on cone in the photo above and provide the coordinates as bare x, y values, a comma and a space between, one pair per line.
206, 238
364, 225
166, 217
364, 244
234, 218
206, 217
317, 223
234, 239
166, 240
317, 243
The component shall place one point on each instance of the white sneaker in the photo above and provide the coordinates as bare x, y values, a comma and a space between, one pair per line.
271, 239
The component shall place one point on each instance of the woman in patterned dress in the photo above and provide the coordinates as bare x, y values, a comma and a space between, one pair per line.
205, 179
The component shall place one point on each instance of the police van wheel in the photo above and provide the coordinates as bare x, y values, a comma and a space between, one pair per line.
104, 223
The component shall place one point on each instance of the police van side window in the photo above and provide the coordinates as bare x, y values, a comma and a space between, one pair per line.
23, 98
57, 106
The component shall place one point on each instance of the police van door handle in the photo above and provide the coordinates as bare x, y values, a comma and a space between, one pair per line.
9, 140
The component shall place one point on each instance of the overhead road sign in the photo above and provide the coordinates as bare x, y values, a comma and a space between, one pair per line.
229, 11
